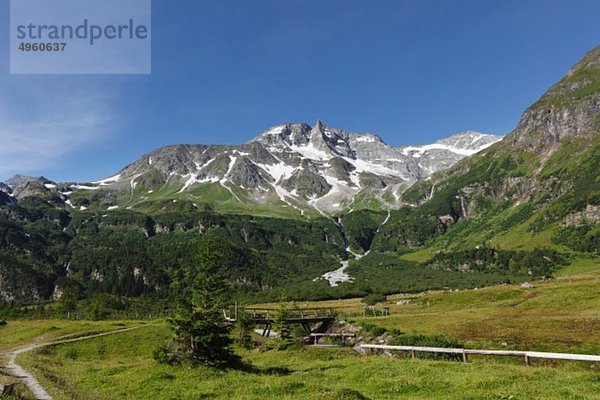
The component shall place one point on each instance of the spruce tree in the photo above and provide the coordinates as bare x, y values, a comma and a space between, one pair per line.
200, 332
282, 325
244, 328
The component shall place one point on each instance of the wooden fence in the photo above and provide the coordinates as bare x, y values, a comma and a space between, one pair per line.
527, 355
268, 314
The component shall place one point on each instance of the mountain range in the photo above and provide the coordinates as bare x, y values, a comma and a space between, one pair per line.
298, 167
297, 202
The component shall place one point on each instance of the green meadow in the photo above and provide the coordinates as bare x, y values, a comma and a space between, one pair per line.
561, 314
121, 367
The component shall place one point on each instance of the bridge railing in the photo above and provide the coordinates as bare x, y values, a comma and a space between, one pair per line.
270, 313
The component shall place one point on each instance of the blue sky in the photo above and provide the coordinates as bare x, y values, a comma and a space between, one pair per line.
225, 70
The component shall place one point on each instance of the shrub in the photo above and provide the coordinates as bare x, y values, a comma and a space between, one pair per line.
374, 298
373, 329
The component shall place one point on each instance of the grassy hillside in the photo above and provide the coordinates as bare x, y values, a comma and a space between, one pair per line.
496, 212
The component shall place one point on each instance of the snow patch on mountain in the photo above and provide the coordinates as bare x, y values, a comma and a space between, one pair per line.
108, 181
311, 152
278, 171
460, 146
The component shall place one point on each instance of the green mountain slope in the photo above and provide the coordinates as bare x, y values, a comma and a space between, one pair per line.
537, 188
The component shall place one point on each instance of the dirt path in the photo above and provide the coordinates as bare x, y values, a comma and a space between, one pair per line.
28, 379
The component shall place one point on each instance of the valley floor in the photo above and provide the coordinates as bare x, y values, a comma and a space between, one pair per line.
562, 314
121, 367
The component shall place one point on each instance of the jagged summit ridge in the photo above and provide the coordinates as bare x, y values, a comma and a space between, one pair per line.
295, 166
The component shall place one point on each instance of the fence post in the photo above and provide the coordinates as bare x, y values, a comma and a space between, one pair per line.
465, 357
527, 360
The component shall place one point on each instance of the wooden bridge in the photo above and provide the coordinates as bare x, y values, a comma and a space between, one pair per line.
316, 320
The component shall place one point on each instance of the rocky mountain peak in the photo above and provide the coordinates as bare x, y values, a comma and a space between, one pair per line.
329, 141
291, 133
569, 109
590, 61
469, 140
19, 180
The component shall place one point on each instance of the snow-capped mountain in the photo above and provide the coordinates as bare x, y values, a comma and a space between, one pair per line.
296, 166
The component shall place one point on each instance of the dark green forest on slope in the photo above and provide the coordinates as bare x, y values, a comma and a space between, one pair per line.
47, 253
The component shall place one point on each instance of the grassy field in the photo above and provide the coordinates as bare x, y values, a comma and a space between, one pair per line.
121, 367
561, 314
19, 333
558, 315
